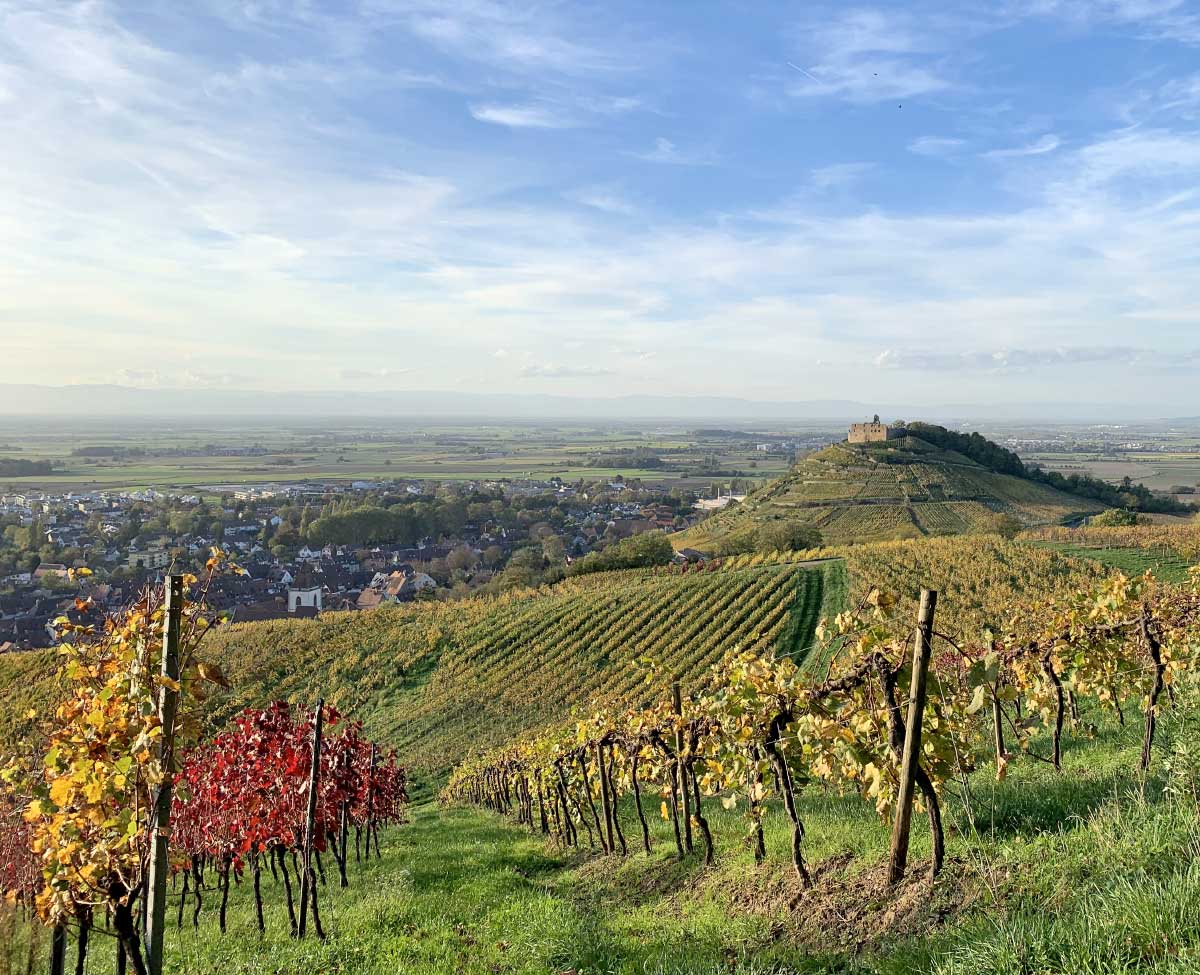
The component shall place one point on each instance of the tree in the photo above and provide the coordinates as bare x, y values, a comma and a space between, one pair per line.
553, 549
461, 558
786, 536
524, 569
640, 551
1115, 518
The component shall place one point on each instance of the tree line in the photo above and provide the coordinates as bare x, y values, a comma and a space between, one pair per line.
1127, 494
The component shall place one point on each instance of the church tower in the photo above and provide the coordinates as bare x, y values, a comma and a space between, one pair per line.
305, 591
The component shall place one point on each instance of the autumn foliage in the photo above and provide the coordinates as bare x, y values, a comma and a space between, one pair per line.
77, 822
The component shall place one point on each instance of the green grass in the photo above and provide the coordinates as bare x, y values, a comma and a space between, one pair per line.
1166, 566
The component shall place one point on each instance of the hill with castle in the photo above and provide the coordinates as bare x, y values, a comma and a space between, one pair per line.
895, 481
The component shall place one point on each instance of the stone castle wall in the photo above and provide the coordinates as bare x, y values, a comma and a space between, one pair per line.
872, 432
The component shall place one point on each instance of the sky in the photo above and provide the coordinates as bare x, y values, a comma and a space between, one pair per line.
926, 202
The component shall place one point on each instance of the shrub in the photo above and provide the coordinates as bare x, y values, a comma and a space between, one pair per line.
1115, 518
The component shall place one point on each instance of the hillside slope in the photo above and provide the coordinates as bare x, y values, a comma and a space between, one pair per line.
905, 488
437, 680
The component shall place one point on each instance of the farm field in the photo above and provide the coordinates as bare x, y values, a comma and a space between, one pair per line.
1167, 566
1157, 470
191, 458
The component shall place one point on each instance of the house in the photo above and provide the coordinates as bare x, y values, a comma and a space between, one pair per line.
51, 570
368, 599
268, 609
404, 585
628, 527
151, 559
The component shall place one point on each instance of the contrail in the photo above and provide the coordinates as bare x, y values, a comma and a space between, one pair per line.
807, 74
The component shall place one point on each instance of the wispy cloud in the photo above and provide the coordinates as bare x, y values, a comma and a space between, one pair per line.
1047, 143
935, 145
839, 174
607, 198
523, 116
551, 370
520, 38
1003, 360
667, 152
384, 373
1160, 20
867, 55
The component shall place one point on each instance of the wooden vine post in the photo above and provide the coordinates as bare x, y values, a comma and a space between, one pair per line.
370, 813
998, 730
58, 950
344, 824
912, 737
307, 890
168, 707
677, 705
605, 804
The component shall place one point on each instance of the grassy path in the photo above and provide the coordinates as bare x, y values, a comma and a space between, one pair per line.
459, 892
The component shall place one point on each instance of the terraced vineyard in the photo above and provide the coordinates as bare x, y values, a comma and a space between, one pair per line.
904, 488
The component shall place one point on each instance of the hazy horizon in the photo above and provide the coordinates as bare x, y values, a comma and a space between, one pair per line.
110, 402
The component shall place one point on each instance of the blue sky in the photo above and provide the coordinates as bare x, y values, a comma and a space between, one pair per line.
925, 203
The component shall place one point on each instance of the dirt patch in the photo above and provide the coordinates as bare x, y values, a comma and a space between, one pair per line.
636, 880
850, 909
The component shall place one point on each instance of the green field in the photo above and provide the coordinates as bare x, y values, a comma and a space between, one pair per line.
181, 458
1157, 470
1167, 566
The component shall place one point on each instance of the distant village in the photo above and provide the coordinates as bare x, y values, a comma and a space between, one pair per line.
304, 546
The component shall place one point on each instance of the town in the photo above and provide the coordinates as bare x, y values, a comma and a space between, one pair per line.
310, 547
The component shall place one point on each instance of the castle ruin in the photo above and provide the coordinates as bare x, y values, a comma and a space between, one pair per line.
873, 432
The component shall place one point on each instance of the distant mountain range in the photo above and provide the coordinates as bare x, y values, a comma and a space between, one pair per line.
100, 401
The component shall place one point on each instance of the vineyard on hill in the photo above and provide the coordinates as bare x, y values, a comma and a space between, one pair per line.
434, 680
904, 488
482, 670
438, 680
